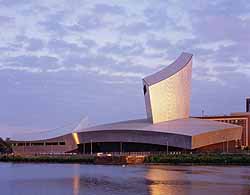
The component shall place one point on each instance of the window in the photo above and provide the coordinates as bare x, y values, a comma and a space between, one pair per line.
37, 144
144, 89
51, 144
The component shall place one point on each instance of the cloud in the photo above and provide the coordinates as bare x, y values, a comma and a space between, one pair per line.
88, 23
5, 20
52, 26
215, 45
159, 44
13, 2
99, 50
109, 9
89, 43
21, 68
158, 18
24, 62
35, 44
59, 45
106, 72
135, 28
121, 50
89, 60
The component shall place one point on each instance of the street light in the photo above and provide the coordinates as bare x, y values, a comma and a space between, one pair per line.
227, 144
223, 138
91, 147
121, 148
167, 146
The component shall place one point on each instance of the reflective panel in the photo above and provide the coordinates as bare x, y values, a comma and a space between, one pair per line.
169, 90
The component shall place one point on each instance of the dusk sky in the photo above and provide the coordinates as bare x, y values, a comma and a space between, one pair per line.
62, 61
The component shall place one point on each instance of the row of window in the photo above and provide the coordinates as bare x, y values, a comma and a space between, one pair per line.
240, 122
39, 144
233, 121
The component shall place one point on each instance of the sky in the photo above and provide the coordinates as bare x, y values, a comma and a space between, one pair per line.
65, 61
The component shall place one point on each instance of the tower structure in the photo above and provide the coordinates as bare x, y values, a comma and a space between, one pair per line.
167, 92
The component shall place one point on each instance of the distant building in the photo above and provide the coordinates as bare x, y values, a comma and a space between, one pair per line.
167, 127
247, 104
238, 118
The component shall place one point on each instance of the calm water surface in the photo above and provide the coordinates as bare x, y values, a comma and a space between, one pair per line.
64, 179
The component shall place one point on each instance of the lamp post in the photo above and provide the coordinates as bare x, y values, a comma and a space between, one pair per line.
185, 146
121, 148
167, 146
84, 150
223, 144
91, 147
227, 144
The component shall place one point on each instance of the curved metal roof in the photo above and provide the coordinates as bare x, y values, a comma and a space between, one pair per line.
190, 126
170, 70
44, 134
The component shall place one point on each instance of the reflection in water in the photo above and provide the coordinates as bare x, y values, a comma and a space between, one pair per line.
185, 180
64, 179
76, 179
165, 181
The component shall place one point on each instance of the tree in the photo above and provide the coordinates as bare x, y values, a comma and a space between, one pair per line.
5, 147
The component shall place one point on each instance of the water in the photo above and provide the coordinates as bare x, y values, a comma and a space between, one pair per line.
64, 179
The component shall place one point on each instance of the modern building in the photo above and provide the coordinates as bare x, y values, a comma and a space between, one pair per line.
167, 127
